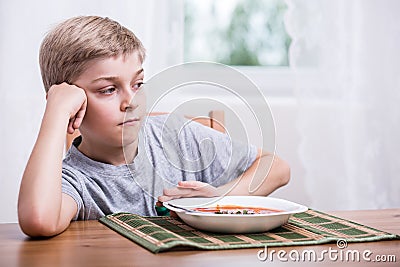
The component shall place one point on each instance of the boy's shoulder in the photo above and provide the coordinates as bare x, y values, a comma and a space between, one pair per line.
163, 118
164, 122
174, 130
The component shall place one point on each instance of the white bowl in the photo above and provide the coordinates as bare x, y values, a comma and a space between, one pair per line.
235, 223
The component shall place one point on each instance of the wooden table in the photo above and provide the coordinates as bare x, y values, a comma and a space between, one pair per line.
89, 243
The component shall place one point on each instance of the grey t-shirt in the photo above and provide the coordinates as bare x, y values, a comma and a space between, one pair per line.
171, 149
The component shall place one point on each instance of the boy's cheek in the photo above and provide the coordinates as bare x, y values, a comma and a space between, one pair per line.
140, 99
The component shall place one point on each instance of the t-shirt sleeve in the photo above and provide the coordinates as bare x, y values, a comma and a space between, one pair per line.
214, 157
70, 185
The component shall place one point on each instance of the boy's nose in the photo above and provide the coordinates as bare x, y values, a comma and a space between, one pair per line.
128, 100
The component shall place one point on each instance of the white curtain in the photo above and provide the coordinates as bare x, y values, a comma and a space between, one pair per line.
23, 25
346, 58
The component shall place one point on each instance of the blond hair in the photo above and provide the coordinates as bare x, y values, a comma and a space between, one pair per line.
66, 49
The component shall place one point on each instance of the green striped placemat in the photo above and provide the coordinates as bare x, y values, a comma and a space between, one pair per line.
162, 233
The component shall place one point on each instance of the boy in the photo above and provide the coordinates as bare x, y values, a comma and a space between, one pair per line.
92, 73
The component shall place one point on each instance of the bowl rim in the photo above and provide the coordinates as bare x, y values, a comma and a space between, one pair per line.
298, 208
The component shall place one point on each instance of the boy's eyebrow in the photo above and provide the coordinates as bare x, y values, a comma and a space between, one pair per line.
113, 78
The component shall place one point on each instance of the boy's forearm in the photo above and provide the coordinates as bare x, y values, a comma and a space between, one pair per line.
40, 197
256, 180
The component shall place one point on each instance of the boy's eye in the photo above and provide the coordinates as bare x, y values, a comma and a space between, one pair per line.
138, 85
107, 91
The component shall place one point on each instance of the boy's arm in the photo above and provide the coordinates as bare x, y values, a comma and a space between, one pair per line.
265, 175
43, 210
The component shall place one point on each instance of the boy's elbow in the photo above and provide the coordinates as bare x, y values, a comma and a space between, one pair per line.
286, 175
36, 225
284, 172
37, 228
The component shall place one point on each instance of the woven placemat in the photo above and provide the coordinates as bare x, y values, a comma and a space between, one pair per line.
162, 233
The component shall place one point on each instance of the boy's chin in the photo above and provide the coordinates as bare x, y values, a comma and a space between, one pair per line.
130, 135
129, 140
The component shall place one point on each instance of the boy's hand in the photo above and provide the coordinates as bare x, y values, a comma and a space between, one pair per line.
69, 99
189, 189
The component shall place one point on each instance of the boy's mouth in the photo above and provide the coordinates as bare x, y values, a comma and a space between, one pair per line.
130, 121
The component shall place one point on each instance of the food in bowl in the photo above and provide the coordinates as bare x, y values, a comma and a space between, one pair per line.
236, 209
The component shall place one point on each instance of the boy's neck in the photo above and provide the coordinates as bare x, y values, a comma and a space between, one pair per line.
115, 156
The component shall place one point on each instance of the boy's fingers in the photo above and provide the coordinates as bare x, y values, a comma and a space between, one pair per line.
164, 198
79, 116
77, 122
70, 128
176, 191
188, 189
191, 184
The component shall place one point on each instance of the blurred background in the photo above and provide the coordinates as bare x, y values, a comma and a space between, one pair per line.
329, 71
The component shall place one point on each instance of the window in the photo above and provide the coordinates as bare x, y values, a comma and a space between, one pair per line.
247, 34
236, 32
